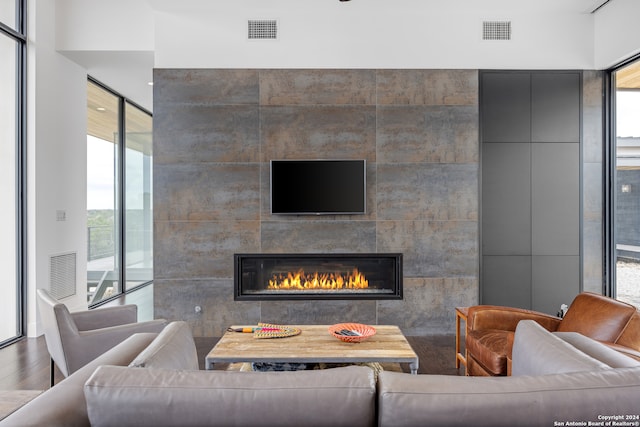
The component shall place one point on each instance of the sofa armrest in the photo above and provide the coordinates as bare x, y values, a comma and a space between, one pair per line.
64, 405
439, 400
482, 317
105, 317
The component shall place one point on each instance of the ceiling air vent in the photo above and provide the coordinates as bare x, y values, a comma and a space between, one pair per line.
263, 29
496, 30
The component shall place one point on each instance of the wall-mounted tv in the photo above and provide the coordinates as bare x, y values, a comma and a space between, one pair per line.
318, 187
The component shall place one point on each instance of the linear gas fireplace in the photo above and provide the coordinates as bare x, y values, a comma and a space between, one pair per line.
317, 276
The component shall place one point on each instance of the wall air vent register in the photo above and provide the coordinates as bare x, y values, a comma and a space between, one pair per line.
262, 29
496, 30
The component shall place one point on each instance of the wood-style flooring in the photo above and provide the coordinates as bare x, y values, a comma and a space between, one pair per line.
25, 364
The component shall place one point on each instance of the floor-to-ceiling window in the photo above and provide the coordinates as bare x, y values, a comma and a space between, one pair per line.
626, 130
138, 197
12, 83
119, 177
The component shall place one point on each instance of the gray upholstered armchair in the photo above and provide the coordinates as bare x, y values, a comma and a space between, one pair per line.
74, 339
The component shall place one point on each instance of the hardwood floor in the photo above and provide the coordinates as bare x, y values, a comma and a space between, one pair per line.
25, 364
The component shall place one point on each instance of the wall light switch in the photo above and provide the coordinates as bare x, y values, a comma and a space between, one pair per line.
61, 215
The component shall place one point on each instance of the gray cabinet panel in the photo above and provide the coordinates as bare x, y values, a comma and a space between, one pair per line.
506, 199
506, 107
556, 280
555, 199
555, 107
506, 280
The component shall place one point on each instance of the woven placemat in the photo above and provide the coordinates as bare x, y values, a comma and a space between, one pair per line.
279, 331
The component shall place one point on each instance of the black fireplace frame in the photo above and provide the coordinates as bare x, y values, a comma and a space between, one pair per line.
238, 295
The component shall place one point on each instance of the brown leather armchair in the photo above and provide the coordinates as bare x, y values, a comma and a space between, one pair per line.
490, 330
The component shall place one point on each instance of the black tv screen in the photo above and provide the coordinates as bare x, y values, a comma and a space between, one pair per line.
318, 187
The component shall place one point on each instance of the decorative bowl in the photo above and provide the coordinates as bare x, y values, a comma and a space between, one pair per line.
352, 332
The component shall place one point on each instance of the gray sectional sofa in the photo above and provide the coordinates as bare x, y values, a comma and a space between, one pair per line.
151, 380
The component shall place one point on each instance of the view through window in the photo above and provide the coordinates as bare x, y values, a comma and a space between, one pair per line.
627, 209
119, 195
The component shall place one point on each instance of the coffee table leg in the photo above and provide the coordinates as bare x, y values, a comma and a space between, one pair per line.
414, 367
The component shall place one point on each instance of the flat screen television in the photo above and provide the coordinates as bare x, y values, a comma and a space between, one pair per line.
318, 187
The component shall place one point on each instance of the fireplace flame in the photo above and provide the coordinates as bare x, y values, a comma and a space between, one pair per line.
301, 281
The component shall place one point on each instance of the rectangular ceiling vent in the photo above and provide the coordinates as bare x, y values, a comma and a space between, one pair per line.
62, 275
263, 29
496, 30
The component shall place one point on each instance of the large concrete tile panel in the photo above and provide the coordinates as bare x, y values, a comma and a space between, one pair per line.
318, 236
592, 250
422, 191
556, 281
314, 87
177, 300
428, 87
506, 280
432, 248
506, 199
434, 134
206, 133
316, 132
592, 191
592, 116
207, 191
555, 193
202, 249
205, 86
265, 213
593, 88
327, 312
592, 134
428, 305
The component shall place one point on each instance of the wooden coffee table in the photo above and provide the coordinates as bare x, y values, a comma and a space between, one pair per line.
314, 345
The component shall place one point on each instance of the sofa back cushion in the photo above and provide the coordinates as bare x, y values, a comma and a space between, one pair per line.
537, 351
173, 348
597, 350
446, 400
597, 317
118, 396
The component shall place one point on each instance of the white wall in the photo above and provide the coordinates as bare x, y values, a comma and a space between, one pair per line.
56, 159
617, 32
113, 40
368, 34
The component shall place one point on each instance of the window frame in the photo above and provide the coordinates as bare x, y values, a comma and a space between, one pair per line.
19, 35
609, 285
120, 177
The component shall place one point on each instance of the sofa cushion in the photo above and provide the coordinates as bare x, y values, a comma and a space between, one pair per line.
597, 350
491, 348
118, 396
446, 400
537, 351
173, 348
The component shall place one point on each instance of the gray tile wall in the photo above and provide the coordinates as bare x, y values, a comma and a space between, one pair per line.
214, 134
592, 173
